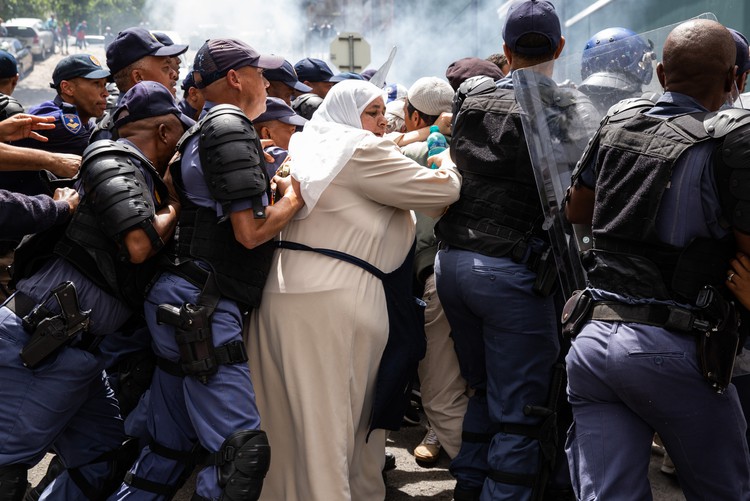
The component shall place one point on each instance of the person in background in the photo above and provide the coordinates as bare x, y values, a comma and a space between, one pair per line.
277, 124
284, 83
315, 73
192, 99
463, 69
501, 61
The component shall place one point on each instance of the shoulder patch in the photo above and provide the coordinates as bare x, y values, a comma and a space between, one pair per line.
71, 122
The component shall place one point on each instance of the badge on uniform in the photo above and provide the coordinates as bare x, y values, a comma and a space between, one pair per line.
71, 122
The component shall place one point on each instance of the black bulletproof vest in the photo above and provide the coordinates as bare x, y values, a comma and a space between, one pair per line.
627, 256
499, 203
84, 244
240, 272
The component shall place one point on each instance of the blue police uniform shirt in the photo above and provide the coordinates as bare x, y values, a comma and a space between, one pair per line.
692, 190
70, 135
186, 109
279, 155
195, 182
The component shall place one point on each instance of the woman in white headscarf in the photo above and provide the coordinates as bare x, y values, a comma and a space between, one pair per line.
316, 341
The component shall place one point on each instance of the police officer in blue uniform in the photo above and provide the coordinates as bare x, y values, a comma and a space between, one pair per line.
666, 190
494, 277
80, 81
136, 55
202, 405
72, 289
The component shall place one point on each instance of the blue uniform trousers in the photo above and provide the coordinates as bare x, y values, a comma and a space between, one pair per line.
63, 404
626, 381
506, 342
184, 411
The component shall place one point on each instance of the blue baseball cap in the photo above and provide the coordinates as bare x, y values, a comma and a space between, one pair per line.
78, 65
314, 70
147, 99
286, 74
743, 58
347, 75
133, 44
277, 109
8, 65
219, 55
532, 16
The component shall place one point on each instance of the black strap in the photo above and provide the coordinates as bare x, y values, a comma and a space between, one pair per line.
148, 485
227, 354
21, 304
505, 477
659, 315
335, 254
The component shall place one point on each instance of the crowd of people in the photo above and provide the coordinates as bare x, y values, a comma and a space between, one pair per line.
246, 283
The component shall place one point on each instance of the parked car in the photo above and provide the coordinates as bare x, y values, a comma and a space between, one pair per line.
31, 31
22, 54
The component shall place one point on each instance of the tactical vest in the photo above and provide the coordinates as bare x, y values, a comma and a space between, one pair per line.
201, 235
84, 243
499, 202
640, 153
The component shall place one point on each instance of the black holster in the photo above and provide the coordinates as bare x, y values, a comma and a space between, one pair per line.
192, 325
576, 312
718, 338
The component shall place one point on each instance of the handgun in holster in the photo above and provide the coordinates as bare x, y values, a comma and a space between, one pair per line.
718, 338
194, 338
49, 333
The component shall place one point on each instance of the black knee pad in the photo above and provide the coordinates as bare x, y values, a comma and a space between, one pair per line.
246, 457
13, 482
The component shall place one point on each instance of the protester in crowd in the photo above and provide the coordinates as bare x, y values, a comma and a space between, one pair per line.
277, 124
490, 272
315, 73
284, 83
83, 285
501, 61
201, 393
316, 392
638, 362
467, 67
65, 33
394, 114
443, 390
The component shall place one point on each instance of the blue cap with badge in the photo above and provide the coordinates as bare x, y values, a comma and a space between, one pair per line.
75, 66
314, 70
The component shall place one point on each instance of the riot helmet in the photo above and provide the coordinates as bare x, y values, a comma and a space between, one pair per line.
616, 64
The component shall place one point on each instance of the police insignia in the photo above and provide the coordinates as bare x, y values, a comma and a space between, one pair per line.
71, 122
95, 61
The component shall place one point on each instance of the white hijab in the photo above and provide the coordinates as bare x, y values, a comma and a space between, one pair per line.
329, 139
